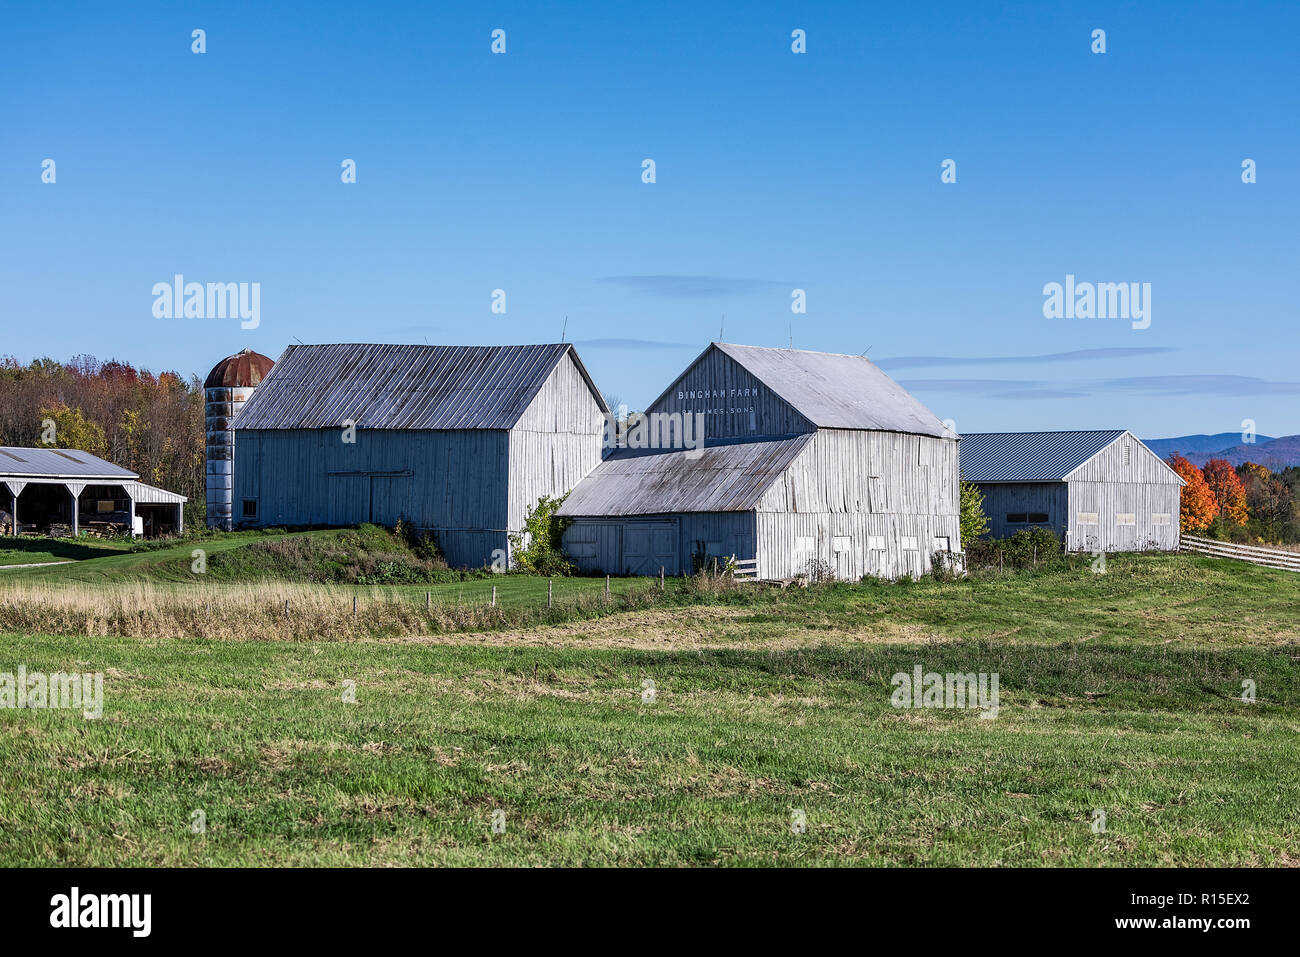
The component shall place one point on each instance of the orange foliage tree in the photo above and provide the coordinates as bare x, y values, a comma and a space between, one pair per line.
1199, 507
1228, 491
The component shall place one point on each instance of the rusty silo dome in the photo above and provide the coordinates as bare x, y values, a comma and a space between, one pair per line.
244, 369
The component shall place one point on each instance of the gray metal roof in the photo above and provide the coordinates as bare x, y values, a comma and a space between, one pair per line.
57, 463
403, 386
149, 495
1029, 456
836, 391
727, 477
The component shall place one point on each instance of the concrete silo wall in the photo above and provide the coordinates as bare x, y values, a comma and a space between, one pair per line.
221, 405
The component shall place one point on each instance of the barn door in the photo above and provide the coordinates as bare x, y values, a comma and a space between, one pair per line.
349, 499
649, 545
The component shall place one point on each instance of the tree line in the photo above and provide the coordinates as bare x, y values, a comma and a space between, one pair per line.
150, 423
1248, 502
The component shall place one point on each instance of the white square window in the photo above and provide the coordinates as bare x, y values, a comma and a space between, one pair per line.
1159, 518
942, 543
876, 543
842, 543
908, 543
804, 544
1125, 518
1087, 518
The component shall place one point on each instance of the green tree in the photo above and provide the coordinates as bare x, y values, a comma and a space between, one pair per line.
974, 522
71, 430
537, 548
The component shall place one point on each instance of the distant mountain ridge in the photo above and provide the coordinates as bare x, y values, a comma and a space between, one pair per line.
1199, 449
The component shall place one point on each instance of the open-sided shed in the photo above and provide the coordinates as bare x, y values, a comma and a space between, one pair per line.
56, 489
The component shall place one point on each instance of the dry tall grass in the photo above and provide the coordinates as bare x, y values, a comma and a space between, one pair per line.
258, 611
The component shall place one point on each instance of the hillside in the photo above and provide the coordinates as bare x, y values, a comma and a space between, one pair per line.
1199, 449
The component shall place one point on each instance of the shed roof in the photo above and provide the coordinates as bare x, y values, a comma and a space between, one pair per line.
58, 463
835, 391
730, 476
1029, 456
404, 386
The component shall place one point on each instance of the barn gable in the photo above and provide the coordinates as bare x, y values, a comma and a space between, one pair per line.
754, 391
1125, 459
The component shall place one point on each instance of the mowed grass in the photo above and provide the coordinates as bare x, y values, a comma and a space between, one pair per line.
258, 737
1119, 693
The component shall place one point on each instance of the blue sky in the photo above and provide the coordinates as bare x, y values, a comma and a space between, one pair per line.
774, 171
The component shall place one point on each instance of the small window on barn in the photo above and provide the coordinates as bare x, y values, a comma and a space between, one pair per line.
250, 508
942, 543
909, 543
842, 543
1159, 518
804, 544
1087, 518
1125, 518
875, 543
1126, 453
1037, 518
1017, 518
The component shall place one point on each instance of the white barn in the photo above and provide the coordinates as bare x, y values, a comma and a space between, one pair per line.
812, 461
1099, 490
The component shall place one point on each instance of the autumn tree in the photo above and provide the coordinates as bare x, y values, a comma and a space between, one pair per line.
1229, 493
1199, 507
65, 428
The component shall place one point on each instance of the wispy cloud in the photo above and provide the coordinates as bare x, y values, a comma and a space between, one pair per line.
1171, 385
695, 287
1079, 355
633, 344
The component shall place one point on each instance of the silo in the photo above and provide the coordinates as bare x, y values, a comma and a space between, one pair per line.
227, 387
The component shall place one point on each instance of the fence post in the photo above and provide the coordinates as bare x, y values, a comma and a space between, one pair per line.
494, 596
549, 594
661, 578
428, 600
606, 586
286, 608
354, 606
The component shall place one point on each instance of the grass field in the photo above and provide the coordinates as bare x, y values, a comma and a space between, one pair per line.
1119, 693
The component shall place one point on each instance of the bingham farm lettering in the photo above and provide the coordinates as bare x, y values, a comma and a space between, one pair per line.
736, 397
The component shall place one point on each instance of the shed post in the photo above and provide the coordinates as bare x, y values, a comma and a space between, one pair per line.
180, 518
13, 514
75, 492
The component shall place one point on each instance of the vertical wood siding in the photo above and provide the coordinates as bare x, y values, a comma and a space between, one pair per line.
1105, 485
853, 485
457, 485
1000, 499
556, 442
734, 403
